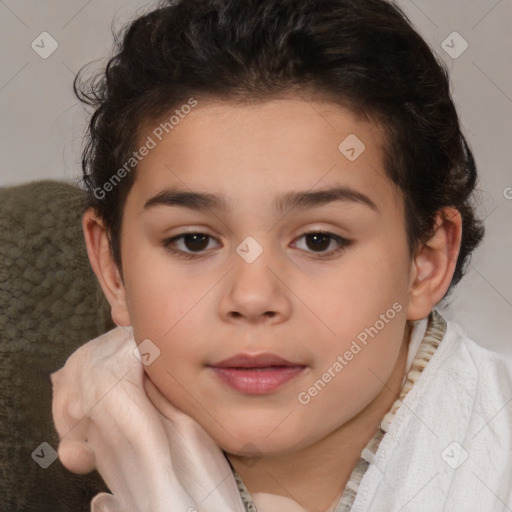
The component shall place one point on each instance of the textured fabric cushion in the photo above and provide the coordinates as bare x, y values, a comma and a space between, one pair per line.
50, 303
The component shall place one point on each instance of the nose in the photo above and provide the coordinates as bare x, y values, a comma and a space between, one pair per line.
255, 292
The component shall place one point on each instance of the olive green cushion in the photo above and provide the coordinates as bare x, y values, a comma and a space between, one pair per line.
50, 304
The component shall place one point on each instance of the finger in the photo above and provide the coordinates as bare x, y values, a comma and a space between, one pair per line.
104, 502
77, 456
69, 419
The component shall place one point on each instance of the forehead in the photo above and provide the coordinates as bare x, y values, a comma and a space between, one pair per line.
247, 152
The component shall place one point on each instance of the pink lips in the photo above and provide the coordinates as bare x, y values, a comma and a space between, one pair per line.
256, 375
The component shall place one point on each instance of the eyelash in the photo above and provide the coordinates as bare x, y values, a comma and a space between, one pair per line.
343, 243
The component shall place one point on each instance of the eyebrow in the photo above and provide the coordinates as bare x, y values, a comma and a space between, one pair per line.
202, 201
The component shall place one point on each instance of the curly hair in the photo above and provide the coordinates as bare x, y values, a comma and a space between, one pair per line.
360, 54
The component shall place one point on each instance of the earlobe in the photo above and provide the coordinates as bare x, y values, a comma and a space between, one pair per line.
434, 264
104, 266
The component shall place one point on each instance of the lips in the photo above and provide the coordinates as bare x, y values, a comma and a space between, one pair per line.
256, 374
256, 361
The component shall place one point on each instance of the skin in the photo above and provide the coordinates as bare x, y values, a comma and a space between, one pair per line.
290, 301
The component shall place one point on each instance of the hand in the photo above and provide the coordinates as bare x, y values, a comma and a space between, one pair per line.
152, 458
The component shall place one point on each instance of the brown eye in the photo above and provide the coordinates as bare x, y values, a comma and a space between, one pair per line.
319, 242
188, 244
195, 241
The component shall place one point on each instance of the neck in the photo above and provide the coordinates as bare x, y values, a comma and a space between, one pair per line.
316, 476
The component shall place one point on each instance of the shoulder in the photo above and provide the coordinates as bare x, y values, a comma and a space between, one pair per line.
468, 380
462, 386
459, 352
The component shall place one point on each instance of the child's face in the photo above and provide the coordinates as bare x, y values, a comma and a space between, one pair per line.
290, 301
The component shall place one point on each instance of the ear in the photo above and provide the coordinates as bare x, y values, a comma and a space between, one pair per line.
100, 255
434, 264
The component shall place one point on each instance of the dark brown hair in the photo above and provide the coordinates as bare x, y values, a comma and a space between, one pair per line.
363, 54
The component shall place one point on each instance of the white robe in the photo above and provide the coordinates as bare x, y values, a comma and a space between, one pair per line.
460, 406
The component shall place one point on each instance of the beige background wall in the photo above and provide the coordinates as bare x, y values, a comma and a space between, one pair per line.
42, 123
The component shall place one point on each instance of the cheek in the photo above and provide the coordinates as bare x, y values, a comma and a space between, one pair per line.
351, 372
178, 371
354, 294
363, 318
161, 295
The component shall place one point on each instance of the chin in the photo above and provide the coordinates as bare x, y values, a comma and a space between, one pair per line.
253, 442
